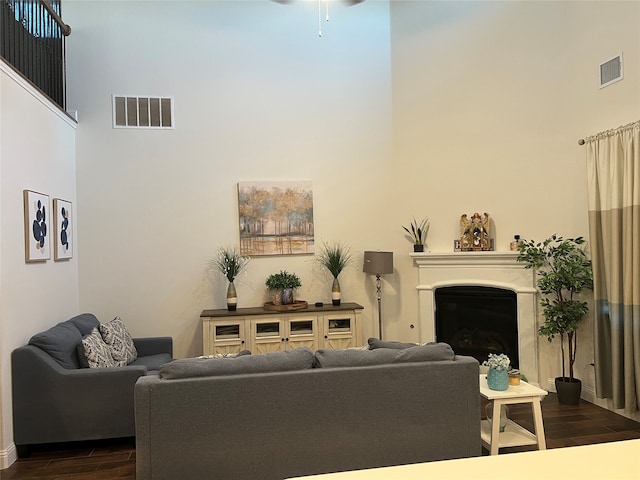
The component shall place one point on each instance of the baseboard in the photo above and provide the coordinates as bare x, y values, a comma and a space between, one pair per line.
8, 456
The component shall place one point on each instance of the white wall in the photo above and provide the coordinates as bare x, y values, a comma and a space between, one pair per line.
37, 152
258, 96
489, 101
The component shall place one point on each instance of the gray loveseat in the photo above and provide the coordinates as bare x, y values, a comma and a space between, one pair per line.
286, 414
56, 400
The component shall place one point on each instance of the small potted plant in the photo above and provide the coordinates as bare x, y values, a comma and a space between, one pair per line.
418, 233
282, 285
334, 257
563, 271
498, 374
230, 263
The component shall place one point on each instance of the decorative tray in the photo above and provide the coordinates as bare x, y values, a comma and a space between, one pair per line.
297, 305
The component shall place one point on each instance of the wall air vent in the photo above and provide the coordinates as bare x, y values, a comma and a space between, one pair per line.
611, 71
142, 112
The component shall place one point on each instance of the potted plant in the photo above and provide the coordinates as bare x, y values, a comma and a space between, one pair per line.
334, 257
418, 233
563, 271
498, 373
230, 263
282, 284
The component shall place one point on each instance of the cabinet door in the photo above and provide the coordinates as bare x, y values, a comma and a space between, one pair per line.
302, 332
226, 337
267, 335
339, 331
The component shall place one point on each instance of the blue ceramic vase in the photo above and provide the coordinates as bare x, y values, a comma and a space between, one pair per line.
498, 379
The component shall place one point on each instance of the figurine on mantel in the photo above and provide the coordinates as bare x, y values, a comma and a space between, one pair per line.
475, 233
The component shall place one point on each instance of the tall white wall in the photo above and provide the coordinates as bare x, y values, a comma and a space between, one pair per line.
258, 96
489, 101
37, 152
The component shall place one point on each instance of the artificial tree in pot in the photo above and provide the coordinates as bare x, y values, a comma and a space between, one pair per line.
563, 271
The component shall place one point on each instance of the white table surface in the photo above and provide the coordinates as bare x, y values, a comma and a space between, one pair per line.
604, 461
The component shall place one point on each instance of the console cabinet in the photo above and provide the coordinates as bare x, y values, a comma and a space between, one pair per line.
263, 331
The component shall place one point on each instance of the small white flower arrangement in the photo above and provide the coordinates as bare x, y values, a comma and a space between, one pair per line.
499, 362
229, 262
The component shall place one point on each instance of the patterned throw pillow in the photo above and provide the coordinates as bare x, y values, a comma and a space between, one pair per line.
117, 337
97, 352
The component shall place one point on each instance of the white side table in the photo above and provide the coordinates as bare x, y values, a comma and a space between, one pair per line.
513, 435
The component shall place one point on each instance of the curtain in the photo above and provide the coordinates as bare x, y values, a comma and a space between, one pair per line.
613, 175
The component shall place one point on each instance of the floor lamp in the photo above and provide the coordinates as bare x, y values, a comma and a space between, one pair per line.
378, 263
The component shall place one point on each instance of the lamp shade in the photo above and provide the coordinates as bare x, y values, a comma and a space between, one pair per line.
378, 262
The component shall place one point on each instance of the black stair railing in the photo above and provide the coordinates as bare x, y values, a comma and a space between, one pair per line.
32, 41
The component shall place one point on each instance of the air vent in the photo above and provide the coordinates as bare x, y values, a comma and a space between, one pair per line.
142, 112
611, 71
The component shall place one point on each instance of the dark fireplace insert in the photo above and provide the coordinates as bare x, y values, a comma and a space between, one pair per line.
477, 321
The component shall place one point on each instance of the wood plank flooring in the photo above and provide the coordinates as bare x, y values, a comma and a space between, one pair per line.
116, 459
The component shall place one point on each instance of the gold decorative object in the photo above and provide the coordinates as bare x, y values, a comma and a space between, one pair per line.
475, 233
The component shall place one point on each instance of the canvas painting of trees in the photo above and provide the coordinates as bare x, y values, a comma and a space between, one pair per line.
275, 217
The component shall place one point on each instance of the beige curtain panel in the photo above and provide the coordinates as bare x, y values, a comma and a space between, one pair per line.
613, 174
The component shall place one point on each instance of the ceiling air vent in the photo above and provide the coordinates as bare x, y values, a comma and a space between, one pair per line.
142, 112
611, 71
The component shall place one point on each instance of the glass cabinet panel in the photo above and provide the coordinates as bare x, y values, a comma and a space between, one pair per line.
338, 325
224, 332
270, 329
301, 327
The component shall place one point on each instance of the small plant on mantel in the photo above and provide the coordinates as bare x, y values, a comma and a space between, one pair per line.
418, 233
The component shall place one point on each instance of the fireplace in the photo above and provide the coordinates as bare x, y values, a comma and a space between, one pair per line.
439, 272
477, 321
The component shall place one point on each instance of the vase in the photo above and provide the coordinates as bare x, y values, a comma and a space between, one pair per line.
335, 292
498, 379
287, 296
276, 297
232, 297
504, 415
418, 248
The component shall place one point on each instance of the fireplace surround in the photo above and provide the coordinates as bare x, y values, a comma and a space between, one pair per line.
485, 269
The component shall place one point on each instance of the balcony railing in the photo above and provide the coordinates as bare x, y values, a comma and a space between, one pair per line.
32, 40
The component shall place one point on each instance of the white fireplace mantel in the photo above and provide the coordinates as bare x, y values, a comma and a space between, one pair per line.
489, 269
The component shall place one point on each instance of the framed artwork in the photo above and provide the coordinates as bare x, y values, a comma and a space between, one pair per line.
276, 218
36, 226
62, 230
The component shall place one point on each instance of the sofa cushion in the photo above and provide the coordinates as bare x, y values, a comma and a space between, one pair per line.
115, 335
152, 362
358, 358
377, 343
85, 322
98, 353
60, 342
299, 359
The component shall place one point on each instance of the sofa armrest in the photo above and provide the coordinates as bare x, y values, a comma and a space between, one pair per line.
153, 345
54, 404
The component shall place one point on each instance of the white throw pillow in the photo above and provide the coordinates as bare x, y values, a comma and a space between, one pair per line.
117, 337
97, 352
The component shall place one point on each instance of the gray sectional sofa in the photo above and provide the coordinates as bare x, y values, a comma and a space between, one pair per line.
294, 413
57, 400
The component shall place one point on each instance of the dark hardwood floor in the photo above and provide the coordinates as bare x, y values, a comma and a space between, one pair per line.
564, 425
